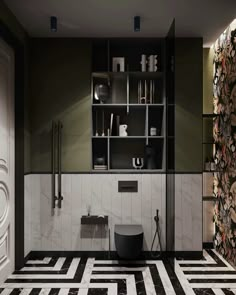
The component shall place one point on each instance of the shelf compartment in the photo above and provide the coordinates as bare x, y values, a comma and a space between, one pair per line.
155, 119
158, 145
122, 152
133, 88
100, 151
132, 49
117, 88
207, 129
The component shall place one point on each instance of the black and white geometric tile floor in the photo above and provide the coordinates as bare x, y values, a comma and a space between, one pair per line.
90, 276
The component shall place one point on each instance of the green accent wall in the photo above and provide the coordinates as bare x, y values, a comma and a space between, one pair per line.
208, 54
188, 95
60, 71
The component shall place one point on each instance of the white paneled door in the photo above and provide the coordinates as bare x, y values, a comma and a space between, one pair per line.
7, 165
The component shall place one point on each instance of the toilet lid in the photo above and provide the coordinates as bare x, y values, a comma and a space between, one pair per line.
128, 229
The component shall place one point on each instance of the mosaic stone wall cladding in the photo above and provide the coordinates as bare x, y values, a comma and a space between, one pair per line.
224, 133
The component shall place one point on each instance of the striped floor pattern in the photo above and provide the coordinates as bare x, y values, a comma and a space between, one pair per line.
82, 276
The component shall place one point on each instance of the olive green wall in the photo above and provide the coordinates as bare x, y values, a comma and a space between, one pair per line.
60, 71
188, 95
10, 21
208, 54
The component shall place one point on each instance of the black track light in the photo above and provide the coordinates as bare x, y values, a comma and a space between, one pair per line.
137, 23
53, 24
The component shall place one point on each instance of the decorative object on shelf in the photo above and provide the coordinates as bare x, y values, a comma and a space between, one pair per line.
123, 130
151, 91
100, 167
153, 131
152, 63
118, 64
142, 92
207, 164
100, 163
150, 157
96, 132
143, 63
103, 131
117, 125
138, 163
101, 160
101, 92
111, 123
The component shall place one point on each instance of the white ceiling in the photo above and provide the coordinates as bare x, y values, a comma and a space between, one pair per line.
114, 18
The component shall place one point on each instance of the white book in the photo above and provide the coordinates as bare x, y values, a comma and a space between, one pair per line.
111, 123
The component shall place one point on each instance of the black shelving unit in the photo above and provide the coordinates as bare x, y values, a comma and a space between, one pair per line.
123, 104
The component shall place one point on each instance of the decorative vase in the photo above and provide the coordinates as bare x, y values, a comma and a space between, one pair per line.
123, 130
150, 157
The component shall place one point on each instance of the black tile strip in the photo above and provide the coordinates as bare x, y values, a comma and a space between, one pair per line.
157, 280
77, 277
140, 286
15, 292
202, 291
216, 258
173, 278
1, 289
35, 291
54, 291
73, 291
121, 284
227, 292
80, 270
121, 265
100, 291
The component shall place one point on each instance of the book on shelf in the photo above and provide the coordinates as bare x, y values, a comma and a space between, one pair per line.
117, 125
111, 124
100, 167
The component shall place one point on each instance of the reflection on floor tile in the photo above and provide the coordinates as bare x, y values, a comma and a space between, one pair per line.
91, 276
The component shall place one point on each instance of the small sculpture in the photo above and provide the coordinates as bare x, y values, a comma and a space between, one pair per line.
152, 63
137, 163
143, 63
123, 130
118, 64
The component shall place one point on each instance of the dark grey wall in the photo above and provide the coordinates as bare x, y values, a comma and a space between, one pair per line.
60, 71
188, 96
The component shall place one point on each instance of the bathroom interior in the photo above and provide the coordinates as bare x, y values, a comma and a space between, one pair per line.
117, 166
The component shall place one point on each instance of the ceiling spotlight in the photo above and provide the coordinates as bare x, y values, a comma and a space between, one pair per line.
53, 20
137, 23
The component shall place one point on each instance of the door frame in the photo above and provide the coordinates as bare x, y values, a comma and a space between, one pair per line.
19, 51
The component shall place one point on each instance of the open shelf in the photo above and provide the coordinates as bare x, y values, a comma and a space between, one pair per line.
122, 104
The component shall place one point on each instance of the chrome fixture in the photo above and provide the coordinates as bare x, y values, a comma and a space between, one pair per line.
157, 233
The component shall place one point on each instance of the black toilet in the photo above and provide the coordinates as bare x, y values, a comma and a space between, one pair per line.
128, 240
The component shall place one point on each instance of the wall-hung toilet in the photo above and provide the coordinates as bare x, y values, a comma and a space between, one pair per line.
128, 240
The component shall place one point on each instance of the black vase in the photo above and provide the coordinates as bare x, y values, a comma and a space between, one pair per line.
150, 157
